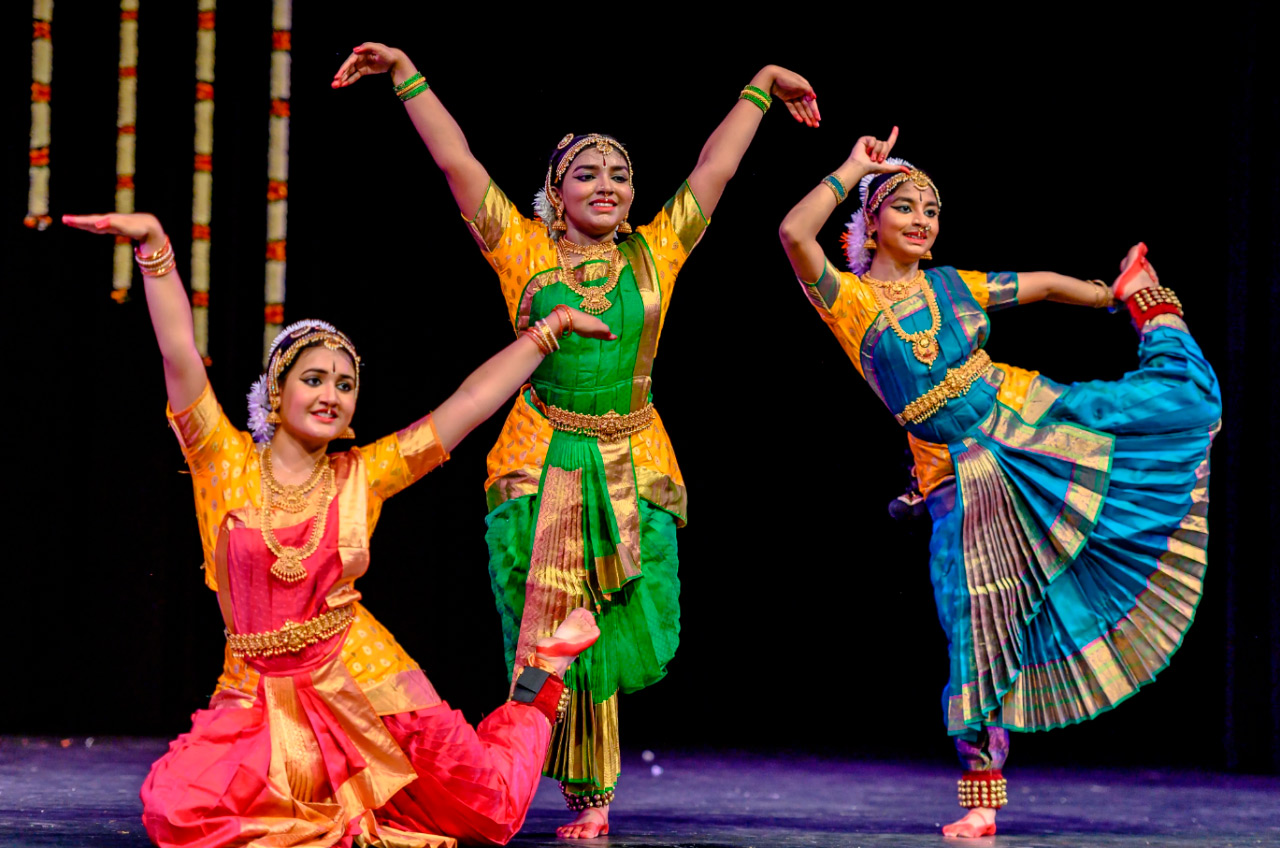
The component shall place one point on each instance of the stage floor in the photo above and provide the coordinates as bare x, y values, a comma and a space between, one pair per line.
87, 795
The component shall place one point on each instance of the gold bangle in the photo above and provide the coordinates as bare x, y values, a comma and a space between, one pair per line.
537, 340
548, 334
566, 327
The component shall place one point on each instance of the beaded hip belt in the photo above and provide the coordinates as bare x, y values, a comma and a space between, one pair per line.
955, 384
609, 427
291, 638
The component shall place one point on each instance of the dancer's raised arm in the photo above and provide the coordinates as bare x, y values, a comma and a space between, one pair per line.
726, 146
490, 385
467, 178
799, 230
184, 374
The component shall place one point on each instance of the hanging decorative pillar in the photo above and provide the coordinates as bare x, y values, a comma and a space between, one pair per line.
277, 170
37, 217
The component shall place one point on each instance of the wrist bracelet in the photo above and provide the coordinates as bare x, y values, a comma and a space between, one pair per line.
419, 87
407, 84
566, 326
157, 264
833, 182
754, 95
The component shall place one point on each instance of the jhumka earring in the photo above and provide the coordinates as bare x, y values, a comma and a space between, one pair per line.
624, 227
558, 225
347, 433
273, 417
928, 254
870, 243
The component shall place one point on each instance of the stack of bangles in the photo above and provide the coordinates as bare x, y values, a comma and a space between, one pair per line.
411, 87
833, 182
758, 96
157, 264
542, 334
1103, 298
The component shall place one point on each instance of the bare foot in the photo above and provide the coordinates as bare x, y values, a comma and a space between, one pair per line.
980, 821
590, 823
575, 634
1136, 273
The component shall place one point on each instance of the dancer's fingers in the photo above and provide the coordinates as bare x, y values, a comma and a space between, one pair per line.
793, 109
893, 138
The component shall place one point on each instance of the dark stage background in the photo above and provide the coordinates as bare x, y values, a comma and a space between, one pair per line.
808, 616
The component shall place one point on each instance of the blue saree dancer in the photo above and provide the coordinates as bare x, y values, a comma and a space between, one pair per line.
1069, 521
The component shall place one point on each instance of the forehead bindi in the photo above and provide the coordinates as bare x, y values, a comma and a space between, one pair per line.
592, 161
915, 195
327, 361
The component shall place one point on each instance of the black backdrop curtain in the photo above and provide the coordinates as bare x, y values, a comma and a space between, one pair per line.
1058, 143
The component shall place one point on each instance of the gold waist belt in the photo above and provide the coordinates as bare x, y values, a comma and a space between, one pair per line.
291, 638
955, 384
607, 428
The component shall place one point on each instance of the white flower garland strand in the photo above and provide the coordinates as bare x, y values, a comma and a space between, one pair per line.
202, 181
126, 143
277, 170
37, 217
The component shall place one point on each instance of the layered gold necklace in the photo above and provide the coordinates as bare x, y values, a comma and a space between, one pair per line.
924, 343
288, 566
594, 301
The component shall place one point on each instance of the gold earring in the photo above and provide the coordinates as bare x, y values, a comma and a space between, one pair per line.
273, 417
347, 433
624, 227
928, 254
558, 225
870, 243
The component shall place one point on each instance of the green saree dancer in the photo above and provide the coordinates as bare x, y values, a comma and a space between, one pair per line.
583, 481
584, 492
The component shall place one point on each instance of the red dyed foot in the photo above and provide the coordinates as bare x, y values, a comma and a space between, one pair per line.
978, 823
590, 823
1135, 273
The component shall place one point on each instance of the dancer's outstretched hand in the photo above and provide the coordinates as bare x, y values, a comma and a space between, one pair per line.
797, 95
367, 59
871, 154
587, 326
135, 225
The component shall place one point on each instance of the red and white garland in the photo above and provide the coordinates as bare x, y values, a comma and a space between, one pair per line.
202, 182
126, 128
277, 170
37, 216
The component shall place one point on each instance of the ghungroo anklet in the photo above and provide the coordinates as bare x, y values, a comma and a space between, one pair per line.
577, 803
983, 789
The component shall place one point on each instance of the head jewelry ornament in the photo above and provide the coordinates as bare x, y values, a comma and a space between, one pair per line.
855, 237
544, 204
264, 395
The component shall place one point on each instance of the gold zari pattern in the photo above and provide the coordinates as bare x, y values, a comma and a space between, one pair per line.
291, 638
955, 384
609, 427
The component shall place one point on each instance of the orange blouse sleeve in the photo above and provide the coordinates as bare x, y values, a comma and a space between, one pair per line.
224, 467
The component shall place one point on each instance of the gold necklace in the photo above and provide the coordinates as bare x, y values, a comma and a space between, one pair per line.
924, 343
895, 287
292, 498
288, 566
601, 250
594, 301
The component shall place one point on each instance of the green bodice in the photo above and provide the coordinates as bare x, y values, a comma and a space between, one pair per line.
592, 376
